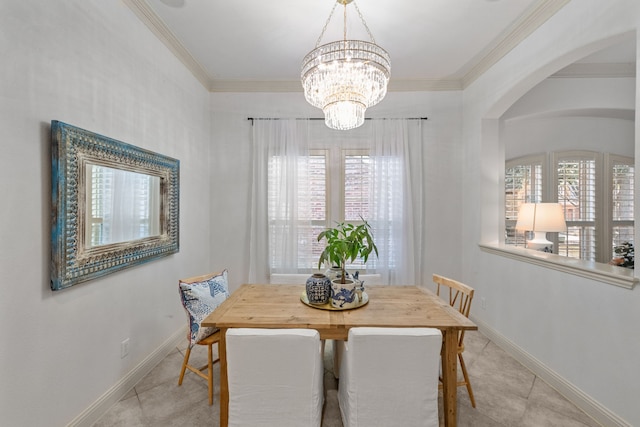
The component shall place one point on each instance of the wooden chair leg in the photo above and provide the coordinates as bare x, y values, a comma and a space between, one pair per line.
184, 365
200, 371
210, 373
466, 380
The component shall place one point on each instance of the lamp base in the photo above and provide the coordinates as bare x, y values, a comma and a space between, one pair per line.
540, 242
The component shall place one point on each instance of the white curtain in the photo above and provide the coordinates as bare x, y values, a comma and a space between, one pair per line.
396, 199
396, 203
285, 144
122, 206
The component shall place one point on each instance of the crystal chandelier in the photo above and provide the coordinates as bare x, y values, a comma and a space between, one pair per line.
345, 77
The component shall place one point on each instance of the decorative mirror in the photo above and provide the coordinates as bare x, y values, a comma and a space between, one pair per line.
114, 205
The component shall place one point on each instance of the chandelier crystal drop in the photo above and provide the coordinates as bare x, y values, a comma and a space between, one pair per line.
345, 77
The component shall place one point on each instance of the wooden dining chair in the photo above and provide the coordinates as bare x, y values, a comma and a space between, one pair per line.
459, 297
200, 295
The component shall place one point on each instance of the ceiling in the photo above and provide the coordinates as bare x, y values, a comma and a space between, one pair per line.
258, 45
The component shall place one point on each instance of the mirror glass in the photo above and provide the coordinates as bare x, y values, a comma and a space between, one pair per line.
121, 205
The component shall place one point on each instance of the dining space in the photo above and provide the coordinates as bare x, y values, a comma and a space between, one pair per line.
282, 307
507, 394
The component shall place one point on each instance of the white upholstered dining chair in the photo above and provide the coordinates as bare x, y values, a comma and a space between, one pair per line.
389, 377
275, 377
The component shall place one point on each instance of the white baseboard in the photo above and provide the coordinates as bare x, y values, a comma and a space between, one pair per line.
572, 393
98, 408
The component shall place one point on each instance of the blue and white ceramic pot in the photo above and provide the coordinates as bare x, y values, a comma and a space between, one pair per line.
318, 289
335, 273
344, 295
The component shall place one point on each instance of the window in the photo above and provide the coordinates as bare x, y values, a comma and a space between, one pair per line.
594, 189
523, 184
355, 189
333, 186
310, 209
306, 179
356, 186
621, 174
577, 181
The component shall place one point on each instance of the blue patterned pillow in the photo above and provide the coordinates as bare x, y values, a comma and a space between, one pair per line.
200, 299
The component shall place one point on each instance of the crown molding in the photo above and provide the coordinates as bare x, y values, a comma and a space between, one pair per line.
520, 30
597, 70
410, 85
162, 32
255, 86
296, 86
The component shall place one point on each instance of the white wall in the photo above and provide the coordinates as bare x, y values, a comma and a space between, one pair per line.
92, 64
231, 180
582, 331
559, 114
544, 135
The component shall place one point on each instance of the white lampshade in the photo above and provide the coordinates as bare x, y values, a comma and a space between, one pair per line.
526, 217
540, 218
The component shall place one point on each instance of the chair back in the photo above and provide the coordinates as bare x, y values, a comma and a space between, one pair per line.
275, 377
459, 297
200, 295
389, 377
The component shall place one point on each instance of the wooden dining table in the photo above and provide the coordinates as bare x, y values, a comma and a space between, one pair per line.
281, 306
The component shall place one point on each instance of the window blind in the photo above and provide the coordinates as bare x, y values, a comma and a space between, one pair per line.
622, 206
523, 184
357, 185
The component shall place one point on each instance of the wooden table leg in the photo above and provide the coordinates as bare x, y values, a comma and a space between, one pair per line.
224, 379
450, 376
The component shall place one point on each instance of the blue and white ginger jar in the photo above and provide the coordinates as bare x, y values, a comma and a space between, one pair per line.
318, 289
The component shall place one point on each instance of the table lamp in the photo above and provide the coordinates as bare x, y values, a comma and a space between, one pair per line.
541, 218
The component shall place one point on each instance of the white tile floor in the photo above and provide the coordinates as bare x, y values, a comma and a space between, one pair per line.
507, 395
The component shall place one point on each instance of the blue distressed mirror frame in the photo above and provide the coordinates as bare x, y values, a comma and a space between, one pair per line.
74, 150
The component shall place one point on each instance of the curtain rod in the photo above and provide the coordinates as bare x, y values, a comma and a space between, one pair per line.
321, 118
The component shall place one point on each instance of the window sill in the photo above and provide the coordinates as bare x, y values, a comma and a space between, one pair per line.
606, 273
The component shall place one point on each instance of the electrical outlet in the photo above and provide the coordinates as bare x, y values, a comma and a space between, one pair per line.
483, 303
124, 348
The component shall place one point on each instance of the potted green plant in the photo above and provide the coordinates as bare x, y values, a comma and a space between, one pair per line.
345, 243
